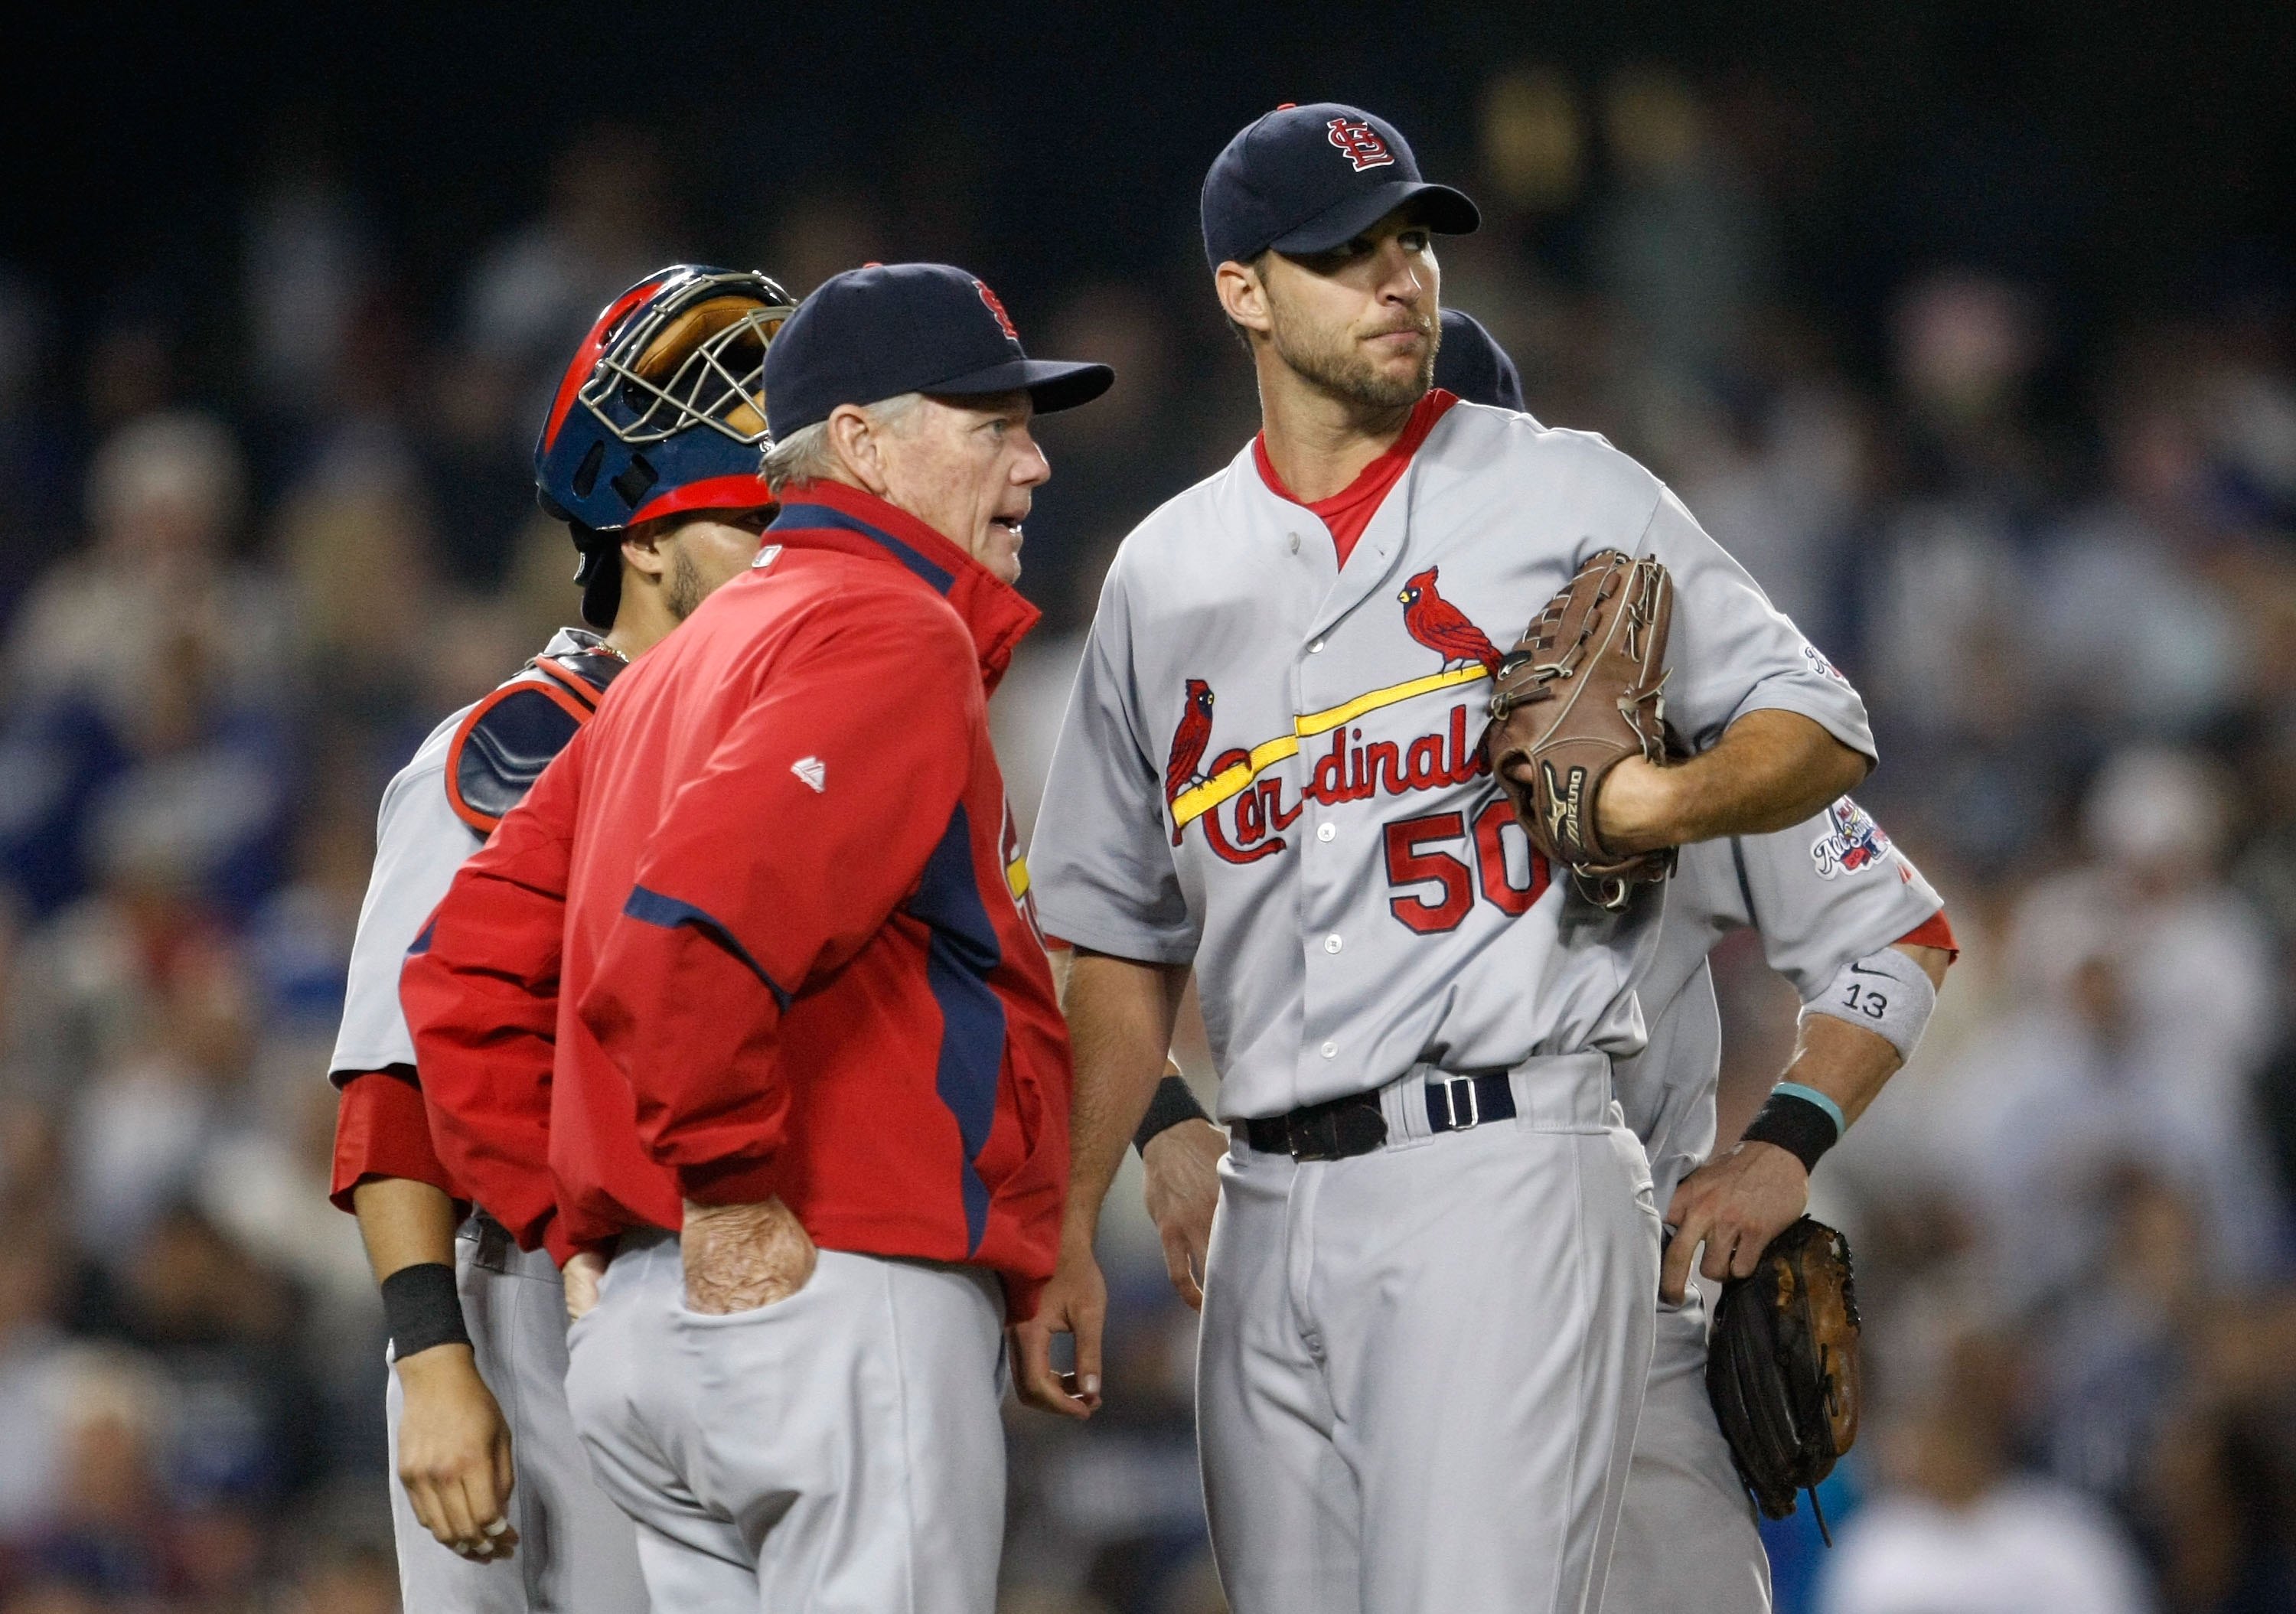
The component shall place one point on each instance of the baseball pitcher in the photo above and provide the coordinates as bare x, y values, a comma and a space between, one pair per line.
1427, 1320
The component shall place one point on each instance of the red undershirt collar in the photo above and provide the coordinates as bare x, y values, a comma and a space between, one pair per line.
1347, 512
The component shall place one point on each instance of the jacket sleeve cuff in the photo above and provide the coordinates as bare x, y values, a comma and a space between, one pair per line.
736, 1182
382, 1130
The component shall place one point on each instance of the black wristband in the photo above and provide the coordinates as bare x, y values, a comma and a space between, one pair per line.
423, 1309
1795, 1125
1174, 1102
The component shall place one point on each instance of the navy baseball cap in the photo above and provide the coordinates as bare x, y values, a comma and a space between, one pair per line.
1305, 179
886, 329
1471, 363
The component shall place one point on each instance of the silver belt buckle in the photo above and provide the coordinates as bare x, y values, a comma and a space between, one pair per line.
1451, 1086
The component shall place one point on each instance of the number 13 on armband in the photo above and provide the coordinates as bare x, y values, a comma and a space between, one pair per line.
1866, 1000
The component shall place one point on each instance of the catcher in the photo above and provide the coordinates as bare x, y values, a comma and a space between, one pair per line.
1863, 938
650, 455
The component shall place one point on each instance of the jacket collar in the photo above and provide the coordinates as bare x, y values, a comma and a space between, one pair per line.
832, 515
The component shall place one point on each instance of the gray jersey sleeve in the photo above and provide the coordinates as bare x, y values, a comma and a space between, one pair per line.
419, 844
1829, 891
1101, 860
1731, 651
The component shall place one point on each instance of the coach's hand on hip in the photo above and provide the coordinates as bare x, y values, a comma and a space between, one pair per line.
739, 1257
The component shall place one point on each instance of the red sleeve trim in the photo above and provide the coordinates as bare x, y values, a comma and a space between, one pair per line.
1935, 932
382, 1130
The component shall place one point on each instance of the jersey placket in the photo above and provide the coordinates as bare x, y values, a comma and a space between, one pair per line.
1335, 889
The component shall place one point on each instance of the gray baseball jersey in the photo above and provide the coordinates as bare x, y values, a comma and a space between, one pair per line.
1826, 892
576, 1550
1820, 894
1269, 765
425, 830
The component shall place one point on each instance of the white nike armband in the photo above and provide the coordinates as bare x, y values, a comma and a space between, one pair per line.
1887, 993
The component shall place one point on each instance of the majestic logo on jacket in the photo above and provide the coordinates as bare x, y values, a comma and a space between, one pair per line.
1359, 143
1443, 627
1852, 841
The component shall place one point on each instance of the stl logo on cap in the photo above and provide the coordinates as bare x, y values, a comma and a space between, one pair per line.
995, 306
1361, 144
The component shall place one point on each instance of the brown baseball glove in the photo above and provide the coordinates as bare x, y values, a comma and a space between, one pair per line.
1578, 696
1782, 1366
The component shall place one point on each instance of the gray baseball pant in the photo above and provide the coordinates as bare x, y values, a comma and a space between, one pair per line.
1419, 1369
576, 1554
1687, 1539
839, 1452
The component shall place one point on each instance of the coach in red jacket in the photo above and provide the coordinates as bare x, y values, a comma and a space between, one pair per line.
756, 960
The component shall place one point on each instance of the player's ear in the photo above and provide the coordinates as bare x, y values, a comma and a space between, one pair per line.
642, 549
1242, 295
859, 444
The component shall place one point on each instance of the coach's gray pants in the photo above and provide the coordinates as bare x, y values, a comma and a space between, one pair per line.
576, 1554
839, 1452
1687, 1539
1419, 1369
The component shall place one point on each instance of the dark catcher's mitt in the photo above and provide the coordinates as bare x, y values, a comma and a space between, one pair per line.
1782, 1366
1578, 695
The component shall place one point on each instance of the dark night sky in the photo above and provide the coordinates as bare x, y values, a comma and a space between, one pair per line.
1079, 132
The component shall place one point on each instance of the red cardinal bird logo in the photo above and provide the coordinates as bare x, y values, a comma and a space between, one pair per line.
1442, 626
1189, 740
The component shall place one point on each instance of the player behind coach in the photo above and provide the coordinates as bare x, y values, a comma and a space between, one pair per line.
668, 377
1427, 1313
809, 1083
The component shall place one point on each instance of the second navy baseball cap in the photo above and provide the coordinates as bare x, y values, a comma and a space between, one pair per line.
881, 331
1471, 363
1305, 179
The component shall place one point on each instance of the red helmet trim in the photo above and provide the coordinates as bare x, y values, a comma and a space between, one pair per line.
740, 491
586, 360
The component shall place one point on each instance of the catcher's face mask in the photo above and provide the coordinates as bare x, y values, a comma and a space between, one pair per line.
662, 409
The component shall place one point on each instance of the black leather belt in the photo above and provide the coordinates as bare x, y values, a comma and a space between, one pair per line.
1340, 1127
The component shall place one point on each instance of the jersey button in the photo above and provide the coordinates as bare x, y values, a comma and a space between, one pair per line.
1324, 832
1317, 645
1331, 944
1294, 537
1331, 1050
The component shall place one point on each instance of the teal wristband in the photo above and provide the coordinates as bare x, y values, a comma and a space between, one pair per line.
1813, 1096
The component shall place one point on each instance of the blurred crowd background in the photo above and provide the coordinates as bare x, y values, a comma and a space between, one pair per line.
1971, 329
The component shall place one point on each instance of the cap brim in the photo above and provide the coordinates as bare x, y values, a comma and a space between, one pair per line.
1444, 211
1052, 384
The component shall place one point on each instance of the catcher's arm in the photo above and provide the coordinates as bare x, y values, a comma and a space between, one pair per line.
1770, 770
1737, 1202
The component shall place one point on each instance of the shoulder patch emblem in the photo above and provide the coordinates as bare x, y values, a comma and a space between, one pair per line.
1818, 664
813, 772
1852, 841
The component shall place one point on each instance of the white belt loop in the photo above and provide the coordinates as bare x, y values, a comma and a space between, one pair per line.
1563, 1093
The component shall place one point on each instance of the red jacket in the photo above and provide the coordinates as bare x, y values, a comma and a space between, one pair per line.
763, 929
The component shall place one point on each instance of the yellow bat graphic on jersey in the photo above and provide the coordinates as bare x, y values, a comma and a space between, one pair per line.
1190, 804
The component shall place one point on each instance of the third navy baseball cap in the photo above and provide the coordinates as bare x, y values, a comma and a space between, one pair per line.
1305, 179
883, 330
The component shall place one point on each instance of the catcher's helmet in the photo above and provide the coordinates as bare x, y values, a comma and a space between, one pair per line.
662, 411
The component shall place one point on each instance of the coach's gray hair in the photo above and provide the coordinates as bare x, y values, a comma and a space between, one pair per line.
805, 455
